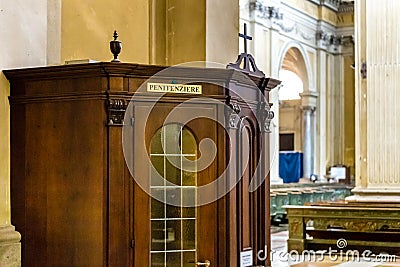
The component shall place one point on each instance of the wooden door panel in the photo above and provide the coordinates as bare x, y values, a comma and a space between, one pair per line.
164, 236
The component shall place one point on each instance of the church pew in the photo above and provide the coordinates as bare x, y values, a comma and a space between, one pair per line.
361, 227
300, 194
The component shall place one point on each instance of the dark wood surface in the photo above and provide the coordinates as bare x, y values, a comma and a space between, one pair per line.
72, 195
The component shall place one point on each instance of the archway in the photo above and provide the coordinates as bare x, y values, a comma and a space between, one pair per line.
296, 117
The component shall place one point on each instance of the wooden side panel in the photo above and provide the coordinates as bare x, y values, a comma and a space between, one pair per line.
120, 180
18, 159
63, 196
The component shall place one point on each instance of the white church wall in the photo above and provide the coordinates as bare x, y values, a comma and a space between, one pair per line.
24, 42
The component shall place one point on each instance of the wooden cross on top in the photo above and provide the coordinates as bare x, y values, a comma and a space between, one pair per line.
245, 62
245, 37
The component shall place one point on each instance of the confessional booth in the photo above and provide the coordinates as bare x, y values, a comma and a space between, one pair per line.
119, 164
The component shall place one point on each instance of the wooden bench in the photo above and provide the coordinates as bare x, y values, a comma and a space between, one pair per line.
300, 194
373, 227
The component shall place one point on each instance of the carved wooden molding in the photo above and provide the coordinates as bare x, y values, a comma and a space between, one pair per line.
267, 122
233, 116
116, 111
265, 115
350, 224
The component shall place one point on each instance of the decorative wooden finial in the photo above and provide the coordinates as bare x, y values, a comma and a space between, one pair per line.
115, 47
245, 62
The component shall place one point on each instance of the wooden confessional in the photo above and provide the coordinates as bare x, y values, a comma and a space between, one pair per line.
73, 196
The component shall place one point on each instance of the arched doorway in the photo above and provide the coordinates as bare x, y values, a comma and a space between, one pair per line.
296, 118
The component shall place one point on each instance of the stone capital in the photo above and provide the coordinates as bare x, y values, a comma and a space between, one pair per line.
309, 100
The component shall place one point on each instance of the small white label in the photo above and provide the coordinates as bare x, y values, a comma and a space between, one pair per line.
338, 172
246, 258
174, 88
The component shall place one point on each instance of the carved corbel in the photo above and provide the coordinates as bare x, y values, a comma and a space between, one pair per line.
233, 115
116, 111
267, 122
265, 116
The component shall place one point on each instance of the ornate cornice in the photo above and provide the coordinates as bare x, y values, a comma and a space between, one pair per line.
266, 12
332, 4
336, 5
346, 7
328, 38
322, 37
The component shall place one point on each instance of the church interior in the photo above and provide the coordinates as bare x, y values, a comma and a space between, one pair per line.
118, 119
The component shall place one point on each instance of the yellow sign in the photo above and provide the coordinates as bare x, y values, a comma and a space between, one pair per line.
174, 88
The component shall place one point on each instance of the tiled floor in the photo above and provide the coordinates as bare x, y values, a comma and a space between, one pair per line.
280, 257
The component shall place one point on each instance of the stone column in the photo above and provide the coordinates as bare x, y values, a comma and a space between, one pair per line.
309, 101
377, 102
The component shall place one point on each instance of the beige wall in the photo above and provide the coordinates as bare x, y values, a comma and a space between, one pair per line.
23, 33
321, 13
305, 6
185, 31
222, 25
87, 28
152, 31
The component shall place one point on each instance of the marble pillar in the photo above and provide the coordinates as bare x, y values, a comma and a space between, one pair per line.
377, 123
309, 101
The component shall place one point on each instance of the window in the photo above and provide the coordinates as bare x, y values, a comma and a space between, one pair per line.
173, 151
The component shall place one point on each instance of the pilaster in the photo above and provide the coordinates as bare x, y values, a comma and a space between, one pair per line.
377, 98
10, 247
